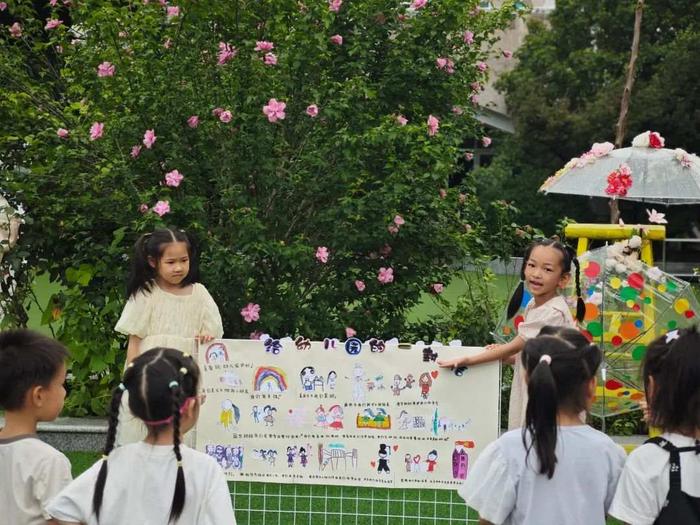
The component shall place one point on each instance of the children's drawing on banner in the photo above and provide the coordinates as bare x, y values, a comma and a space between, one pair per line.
270, 379
367, 414
331, 455
229, 415
267, 455
228, 457
371, 418
216, 353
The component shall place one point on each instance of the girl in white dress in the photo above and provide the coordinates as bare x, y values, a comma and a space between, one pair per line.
166, 307
157, 481
546, 270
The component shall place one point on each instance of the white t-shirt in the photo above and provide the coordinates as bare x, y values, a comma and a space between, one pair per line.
504, 489
644, 483
32, 473
140, 486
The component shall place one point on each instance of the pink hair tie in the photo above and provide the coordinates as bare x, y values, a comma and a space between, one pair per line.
546, 359
183, 407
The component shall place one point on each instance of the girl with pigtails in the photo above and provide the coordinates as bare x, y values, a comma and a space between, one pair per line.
167, 306
158, 480
555, 470
546, 270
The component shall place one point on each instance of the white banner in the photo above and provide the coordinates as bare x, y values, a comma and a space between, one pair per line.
344, 413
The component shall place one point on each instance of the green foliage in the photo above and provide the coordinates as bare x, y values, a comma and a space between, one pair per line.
565, 93
260, 196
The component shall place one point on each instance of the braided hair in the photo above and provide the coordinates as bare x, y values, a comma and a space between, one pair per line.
560, 362
159, 383
568, 257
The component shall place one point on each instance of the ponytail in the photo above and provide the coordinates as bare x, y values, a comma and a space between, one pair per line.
541, 415
580, 306
117, 395
560, 363
142, 273
179, 494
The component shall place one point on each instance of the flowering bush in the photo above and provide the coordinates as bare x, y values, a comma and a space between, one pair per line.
270, 130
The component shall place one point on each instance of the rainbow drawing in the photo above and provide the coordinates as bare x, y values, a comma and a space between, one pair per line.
216, 353
269, 379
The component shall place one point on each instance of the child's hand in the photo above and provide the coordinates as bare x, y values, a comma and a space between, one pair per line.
645, 411
492, 346
510, 360
455, 362
204, 338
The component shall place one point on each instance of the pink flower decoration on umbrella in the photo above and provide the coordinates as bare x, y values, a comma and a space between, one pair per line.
193, 121
433, 125
15, 30
250, 312
96, 130
656, 217
105, 69
270, 59
312, 110
468, 37
385, 275
334, 5
52, 24
337, 40
438, 288
322, 254
173, 178
161, 208
62, 132
619, 181
350, 332
264, 45
225, 116
226, 53
360, 285
149, 138
274, 110
135, 151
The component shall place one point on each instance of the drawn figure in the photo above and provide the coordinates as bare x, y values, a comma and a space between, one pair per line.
460, 459
379, 382
271, 456
291, 454
410, 380
307, 377
302, 457
425, 382
321, 419
229, 413
216, 353
431, 460
269, 415
256, 413
358, 386
333, 453
404, 420
334, 418
383, 456
234, 458
429, 355
331, 379
396, 385
407, 460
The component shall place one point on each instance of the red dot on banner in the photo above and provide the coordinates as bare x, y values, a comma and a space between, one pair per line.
612, 384
636, 281
636, 308
592, 270
616, 340
517, 321
689, 314
587, 335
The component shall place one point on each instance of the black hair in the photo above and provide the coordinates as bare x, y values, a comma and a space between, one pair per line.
673, 360
159, 382
27, 359
559, 384
151, 245
568, 256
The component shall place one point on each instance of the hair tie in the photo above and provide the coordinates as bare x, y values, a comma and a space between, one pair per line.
185, 354
546, 358
130, 365
179, 464
104, 457
173, 384
183, 371
121, 387
672, 336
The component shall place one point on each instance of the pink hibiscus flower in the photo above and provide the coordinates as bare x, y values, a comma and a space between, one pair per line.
360, 285
15, 30
172, 11
274, 110
250, 312
226, 53
264, 45
322, 254
334, 5
149, 138
173, 178
468, 37
52, 23
135, 151
105, 69
161, 208
418, 4
433, 125
350, 332
312, 110
193, 121
385, 275
270, 59
96, 130
337, 40
62, 132
401, 120
399, 221
438, 288
225, 116
486, 141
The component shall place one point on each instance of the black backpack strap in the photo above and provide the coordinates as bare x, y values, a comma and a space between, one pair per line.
675, 459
